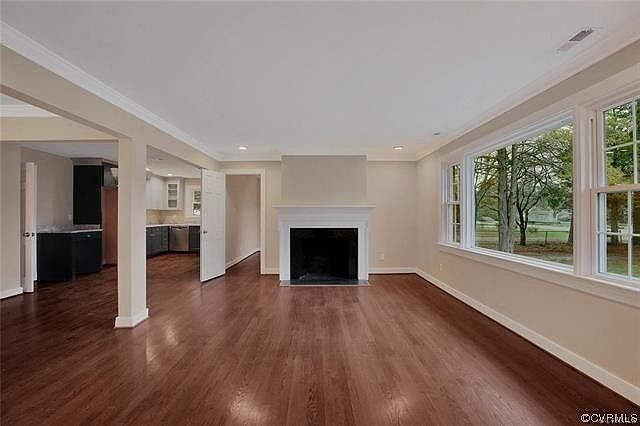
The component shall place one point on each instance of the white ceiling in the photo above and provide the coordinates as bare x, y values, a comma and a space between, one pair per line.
12, 107
325, 78
163, 164
8, 100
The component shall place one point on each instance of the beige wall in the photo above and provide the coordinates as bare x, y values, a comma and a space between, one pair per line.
324, 179
243, 216
391, 187
1, 222
30, 129
55, 187
601, 331
11, 222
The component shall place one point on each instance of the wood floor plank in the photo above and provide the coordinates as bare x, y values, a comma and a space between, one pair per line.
240, 350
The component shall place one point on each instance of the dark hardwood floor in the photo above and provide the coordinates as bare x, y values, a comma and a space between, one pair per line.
242, 350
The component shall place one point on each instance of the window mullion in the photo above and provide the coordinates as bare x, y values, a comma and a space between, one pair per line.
467, 206
629, 233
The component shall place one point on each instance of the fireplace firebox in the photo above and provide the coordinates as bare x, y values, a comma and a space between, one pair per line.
324, 255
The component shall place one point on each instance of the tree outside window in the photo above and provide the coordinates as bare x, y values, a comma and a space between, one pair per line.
524, 197
195, 206
619, 211
452, 204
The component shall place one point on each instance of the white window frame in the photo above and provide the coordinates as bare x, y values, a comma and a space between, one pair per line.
188, 205
601, 187
583, 108
468, 239
448, 202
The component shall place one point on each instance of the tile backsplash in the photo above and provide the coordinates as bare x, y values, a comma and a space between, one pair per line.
169, 216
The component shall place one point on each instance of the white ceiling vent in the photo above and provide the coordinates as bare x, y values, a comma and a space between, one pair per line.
576, 38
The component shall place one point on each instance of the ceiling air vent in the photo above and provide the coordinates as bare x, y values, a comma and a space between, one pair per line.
581, 35
577, 38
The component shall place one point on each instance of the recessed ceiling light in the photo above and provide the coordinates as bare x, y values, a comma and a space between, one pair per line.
242, 147
398, 147
169, 174
147, 169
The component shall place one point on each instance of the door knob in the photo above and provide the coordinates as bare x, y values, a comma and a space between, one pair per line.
26, 234
204, 231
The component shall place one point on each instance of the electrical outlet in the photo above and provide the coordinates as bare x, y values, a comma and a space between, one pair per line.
380, 256
441, 267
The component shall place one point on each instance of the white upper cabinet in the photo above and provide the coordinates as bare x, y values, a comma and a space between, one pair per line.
165, 194
174, 196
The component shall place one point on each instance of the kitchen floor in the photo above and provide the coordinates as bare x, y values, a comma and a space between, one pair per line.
243, 350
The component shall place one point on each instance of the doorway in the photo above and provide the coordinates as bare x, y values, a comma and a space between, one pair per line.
241, 248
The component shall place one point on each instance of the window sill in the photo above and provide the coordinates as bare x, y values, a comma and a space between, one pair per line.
555, 274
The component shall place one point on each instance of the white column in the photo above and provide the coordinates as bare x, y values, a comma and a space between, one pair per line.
132, 211
11, 241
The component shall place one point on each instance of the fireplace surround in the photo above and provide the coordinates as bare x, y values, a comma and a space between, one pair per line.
341, 222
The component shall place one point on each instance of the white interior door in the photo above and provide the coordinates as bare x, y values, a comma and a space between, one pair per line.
29, 233
212, 225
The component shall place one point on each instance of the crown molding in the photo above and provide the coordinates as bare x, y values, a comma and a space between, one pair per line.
24, 111
590, 55
34, 51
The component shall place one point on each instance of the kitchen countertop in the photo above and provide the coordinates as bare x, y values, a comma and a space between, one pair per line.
171, 224
68, 229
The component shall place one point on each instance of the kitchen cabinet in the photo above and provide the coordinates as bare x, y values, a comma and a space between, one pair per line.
157, 240
164, 193
87, 187
63, 255
174, 194
87, 252
88, 181
156, 198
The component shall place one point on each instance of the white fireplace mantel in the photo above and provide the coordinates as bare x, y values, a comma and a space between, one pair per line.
324, 216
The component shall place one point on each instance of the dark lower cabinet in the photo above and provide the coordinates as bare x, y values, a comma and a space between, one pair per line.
87, 252
61, 256
194, 238
157, 240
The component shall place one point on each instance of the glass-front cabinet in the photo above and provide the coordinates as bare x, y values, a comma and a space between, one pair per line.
173, 194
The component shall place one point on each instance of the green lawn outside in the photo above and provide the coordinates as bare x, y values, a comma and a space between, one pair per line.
549, 242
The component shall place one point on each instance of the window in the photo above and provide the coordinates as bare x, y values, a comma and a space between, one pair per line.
192, 204
523, 196
619, 207
452, 204
509, 200
195, 205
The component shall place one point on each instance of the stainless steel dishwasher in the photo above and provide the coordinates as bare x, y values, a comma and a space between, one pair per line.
179, 238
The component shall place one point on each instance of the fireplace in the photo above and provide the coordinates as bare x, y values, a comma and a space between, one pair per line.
324, 244
324, 255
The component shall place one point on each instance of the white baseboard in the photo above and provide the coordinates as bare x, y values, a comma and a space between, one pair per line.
271, 271
240, 258
132, 321
11, 292
393, 270
592, 370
